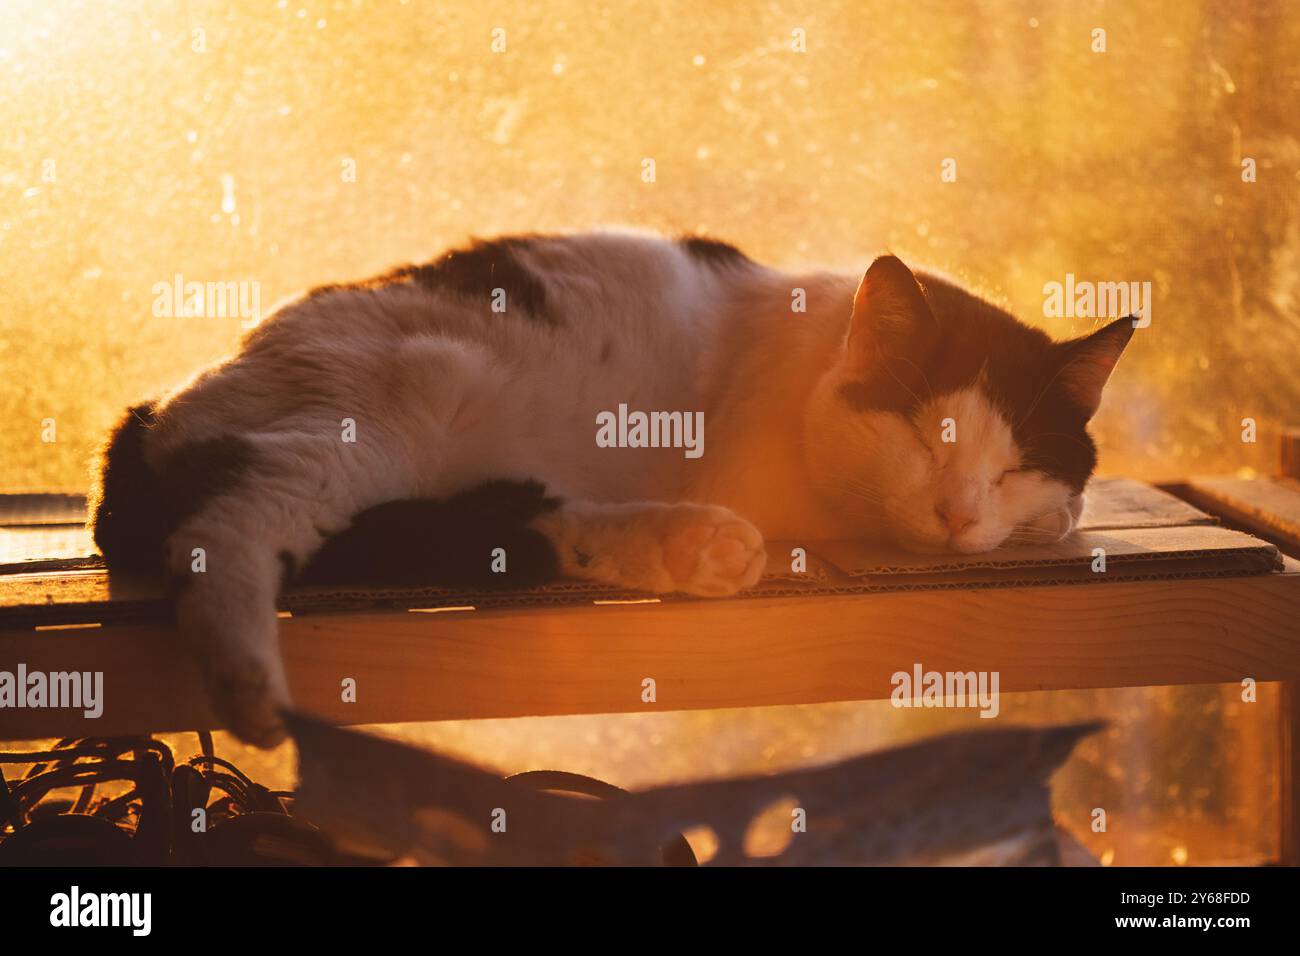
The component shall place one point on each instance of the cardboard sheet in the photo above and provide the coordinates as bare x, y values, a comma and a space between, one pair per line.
1144, 533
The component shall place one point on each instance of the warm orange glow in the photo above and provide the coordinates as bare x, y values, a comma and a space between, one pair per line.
209, 140
212, 140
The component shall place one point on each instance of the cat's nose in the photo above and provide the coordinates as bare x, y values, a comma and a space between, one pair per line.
955, 518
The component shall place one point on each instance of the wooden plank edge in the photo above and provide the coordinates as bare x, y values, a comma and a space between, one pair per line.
775, 651
1289, 773
1229, 499
1289, 452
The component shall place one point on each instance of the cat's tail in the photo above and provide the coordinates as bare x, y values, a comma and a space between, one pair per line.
137, 501
125, 505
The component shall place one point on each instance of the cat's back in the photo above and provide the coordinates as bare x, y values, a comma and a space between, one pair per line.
538, 286
529, 337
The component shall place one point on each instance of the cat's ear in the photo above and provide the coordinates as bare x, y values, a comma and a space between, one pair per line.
891, 317
1090, 360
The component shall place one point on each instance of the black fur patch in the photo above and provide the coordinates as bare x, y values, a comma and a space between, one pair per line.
137, 508
1020, 365
202, 470
427, 542
288, 568
714, 252
484, 266
125, 510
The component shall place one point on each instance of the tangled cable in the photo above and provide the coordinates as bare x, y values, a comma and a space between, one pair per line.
205, 811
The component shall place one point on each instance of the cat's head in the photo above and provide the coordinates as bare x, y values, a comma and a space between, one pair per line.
952, 424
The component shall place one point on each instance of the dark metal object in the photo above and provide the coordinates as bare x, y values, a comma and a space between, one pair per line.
676, 852
977, 797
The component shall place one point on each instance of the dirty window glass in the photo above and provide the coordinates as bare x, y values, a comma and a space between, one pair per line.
283, 144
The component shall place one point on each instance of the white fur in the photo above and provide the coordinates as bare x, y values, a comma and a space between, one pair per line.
900, 474
446, 395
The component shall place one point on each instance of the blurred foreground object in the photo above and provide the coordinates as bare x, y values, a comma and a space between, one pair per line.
135, 805
974, 798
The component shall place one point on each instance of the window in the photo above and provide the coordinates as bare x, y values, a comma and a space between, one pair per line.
291, 143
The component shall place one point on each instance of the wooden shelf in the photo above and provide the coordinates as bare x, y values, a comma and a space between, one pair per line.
1182, 602
702, 654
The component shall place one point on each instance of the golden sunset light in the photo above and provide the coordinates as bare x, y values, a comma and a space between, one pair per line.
905, 393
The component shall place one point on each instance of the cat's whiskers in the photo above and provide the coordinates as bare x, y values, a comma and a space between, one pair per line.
1032, 536
925, 378
856, 488
916, 397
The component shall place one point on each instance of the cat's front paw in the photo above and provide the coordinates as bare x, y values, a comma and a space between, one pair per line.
710, 551
236, 647
246, 701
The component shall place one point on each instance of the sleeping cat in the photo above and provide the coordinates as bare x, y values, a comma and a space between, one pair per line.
403, 428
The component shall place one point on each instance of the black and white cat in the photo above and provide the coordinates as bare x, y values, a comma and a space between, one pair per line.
404, 427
